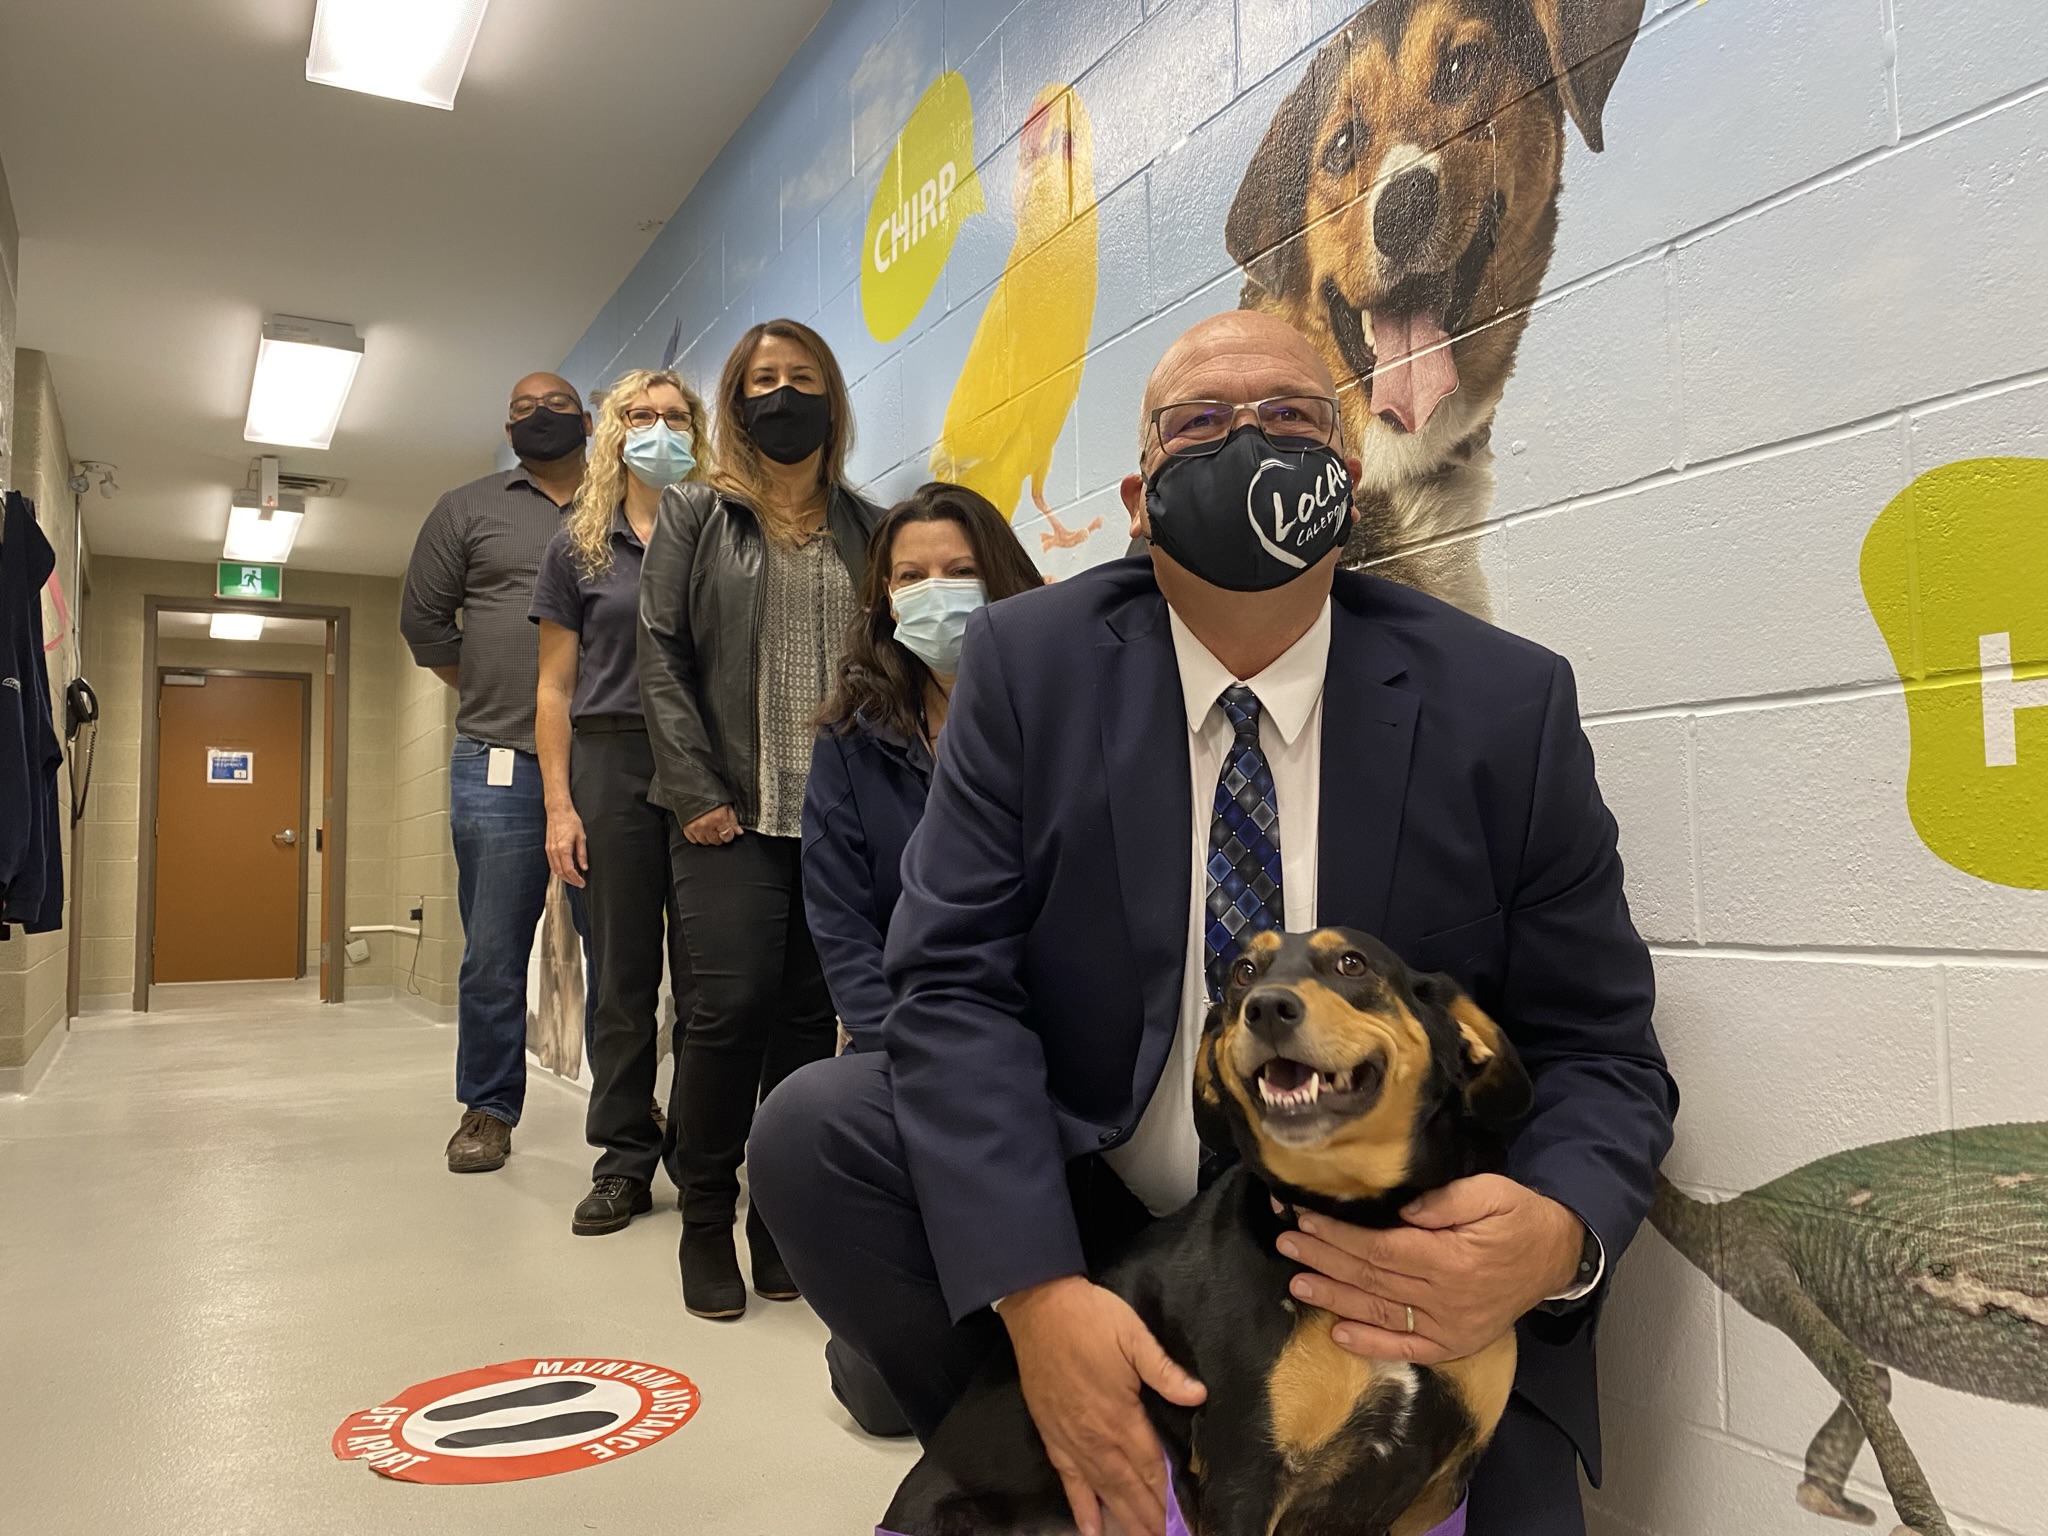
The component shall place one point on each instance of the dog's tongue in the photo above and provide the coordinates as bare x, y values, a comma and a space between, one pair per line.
1413, 368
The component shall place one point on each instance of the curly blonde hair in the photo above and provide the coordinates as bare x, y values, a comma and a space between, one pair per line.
604, 480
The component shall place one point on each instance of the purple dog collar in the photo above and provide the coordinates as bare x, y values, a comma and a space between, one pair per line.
1177, 1525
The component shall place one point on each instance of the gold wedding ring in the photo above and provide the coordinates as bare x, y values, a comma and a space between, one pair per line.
1411, 1319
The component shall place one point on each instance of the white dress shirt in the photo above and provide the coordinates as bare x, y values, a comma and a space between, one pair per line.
1162, 1157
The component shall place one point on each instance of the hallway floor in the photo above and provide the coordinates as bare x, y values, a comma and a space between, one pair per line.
226, 1226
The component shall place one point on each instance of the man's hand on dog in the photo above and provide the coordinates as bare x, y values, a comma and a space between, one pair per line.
1082, 1355
1473, 1257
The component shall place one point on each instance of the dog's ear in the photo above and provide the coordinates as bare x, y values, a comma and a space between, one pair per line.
1588, 42
1495, 1083
1263, 232
1212, 1117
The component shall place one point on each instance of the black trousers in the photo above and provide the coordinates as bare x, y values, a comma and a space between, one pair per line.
829, 1177
630, 892
762, 1011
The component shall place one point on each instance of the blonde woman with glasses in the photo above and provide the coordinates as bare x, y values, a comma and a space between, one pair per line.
603, 832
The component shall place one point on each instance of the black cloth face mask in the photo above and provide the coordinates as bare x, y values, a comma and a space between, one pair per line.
1253, 515
787, 424
547, 435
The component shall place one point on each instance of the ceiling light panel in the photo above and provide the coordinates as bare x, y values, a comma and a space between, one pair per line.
259, 540
236, 626
304, 369
409, 50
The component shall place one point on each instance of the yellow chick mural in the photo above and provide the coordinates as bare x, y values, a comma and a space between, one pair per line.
1023, 368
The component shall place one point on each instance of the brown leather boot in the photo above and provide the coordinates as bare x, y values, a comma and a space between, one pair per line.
481, 1143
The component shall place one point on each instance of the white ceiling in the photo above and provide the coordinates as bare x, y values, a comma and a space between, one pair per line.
176, 177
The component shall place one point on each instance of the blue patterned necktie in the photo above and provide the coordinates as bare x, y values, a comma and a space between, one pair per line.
1244, 842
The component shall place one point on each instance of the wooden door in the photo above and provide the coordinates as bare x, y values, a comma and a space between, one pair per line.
230, 830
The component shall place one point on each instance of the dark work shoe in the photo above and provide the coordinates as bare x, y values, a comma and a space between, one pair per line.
771, 1277
480, 1143
712, 1286
612, 1203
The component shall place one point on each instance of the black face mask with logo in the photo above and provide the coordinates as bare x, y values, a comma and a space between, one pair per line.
546, 436
787, 424
1253, 515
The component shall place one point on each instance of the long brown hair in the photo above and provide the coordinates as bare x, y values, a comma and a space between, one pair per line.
604, 480
879, 679
740, 472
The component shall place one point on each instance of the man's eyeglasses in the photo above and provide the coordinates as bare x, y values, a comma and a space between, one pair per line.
644, 416
1189, 428
524, 406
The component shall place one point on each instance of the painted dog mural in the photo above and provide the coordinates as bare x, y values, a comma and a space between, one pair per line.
1401, 213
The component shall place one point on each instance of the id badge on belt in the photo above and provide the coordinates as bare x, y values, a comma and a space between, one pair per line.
499, 772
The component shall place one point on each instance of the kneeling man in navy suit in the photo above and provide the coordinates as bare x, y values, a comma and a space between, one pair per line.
1141, 765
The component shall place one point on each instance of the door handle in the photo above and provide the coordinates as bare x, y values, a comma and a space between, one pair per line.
287, 837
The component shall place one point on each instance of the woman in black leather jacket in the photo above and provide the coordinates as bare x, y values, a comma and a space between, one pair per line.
746, 592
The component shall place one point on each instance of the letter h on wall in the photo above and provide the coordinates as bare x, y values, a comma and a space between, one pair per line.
2004, 699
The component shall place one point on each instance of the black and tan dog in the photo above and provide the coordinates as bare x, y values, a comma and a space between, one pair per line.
1401, 213
1348, 1085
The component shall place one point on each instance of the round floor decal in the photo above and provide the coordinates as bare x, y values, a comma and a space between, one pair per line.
525, 1418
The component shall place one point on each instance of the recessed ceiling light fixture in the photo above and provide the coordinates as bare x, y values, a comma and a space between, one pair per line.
304, 369
257, 539
263, 523
236, 626
409, 50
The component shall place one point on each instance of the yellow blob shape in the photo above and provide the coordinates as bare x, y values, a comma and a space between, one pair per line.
1955, 570
928, 190
1023, 368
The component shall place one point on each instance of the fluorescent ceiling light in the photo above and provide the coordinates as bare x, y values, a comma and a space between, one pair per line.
261, 540
409, 50
236, 626
303, 372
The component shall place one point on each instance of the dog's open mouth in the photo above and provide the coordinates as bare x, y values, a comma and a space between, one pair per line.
1294, 1091
1411, 328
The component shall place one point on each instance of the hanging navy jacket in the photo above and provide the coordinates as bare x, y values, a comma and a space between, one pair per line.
31, 850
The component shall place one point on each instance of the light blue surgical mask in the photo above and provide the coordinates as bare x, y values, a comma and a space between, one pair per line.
659, 455
931, 618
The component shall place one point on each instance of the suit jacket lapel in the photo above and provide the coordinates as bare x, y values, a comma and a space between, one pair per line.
1368, 737
1144, 752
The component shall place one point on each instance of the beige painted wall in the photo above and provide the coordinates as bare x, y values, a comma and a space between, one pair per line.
425, 862
381, 670
34, 968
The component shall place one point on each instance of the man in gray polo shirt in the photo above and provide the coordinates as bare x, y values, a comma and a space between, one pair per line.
478, 553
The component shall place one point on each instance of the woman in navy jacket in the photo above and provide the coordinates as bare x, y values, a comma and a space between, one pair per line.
932, 561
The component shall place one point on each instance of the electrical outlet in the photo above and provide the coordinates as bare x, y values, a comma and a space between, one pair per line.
418, 914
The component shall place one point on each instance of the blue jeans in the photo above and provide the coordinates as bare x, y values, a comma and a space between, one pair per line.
501, 864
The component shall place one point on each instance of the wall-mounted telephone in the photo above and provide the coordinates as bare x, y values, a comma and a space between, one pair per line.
81, 713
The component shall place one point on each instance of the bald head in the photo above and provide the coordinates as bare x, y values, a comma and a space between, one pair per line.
1241, 356
538, 386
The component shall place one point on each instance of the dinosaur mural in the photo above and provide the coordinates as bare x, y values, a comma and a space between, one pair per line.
1927, 1255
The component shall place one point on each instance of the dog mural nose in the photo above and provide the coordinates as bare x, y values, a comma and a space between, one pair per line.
1405, 213
1273, 1013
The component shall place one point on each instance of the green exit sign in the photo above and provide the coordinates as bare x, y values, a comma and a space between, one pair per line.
264, 582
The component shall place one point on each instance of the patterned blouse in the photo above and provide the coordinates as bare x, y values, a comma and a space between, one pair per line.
807, 602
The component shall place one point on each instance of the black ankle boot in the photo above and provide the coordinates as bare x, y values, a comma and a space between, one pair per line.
712, 1286
772, 1281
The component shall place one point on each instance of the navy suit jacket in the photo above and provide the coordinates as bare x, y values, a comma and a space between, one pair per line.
1036, 954
864, 798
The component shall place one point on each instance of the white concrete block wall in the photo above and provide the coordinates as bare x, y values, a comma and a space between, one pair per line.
1839, 297
1807, 268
